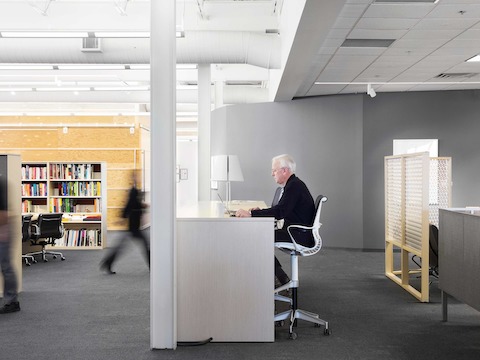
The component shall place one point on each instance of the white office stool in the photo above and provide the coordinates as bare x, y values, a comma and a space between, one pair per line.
295, 250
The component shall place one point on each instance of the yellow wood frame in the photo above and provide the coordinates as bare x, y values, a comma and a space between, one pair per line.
413, 234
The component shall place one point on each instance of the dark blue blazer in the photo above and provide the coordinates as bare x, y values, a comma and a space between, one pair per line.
296, 205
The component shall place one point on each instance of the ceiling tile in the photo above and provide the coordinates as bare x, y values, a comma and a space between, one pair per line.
445, 23
417, 52
470, 34
345, 23
353, 10
432, 34
316, 90
385, 24
333, 42
359, 51
376, 34
338, 33
412, 11
418, 43
324, 50
350, 61
455, 10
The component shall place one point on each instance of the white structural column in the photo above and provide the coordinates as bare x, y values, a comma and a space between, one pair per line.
163, 308
219, 93
204, 103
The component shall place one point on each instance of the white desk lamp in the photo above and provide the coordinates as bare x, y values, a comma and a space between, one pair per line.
226, 168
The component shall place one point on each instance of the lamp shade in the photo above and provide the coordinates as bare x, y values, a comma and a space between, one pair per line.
226, 168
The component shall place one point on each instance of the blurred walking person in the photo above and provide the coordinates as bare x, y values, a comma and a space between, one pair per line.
132, 211
10, 282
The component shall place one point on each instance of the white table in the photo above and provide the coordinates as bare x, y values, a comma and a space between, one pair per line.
225, 275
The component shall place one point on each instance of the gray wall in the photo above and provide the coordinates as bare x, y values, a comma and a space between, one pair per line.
340, 143
324, 135
452, 117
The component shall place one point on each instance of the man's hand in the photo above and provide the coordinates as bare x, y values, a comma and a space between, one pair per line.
243, 213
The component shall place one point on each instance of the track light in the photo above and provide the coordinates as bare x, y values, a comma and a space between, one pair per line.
371, 91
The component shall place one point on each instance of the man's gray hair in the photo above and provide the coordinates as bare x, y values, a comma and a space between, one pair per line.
285, 161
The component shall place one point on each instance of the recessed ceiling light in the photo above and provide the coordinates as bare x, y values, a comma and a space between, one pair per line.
25, 67
91, 67
58, 88
186, 66
121, 88
476, 58
405, 1
122, 34
44, 34
13, 90
377, 43
140, 67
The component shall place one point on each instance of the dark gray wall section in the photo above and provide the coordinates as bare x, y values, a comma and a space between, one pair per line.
452, 117
324, 135
340, 143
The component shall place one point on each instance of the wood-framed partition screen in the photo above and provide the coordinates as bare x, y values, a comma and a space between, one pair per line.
416, 186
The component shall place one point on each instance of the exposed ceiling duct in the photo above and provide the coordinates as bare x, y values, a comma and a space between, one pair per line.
229, 47
207, 47
232, 94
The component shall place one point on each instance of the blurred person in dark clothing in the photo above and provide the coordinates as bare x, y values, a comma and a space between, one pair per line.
10, 283
132, 211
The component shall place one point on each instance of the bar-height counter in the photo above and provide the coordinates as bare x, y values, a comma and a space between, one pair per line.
225, 276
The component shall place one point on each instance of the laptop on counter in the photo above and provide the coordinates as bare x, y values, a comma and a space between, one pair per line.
228, 211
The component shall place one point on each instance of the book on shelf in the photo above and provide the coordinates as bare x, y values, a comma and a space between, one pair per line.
72, 171
78, 188
69, 205
80, 237
34, 189
29, 207
31, 172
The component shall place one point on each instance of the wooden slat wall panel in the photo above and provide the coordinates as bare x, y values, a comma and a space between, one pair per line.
98, 138
24, 139
120, 179
76, 155
117, 197
115, 220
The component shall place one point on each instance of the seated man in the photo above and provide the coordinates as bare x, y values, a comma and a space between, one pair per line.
295, 206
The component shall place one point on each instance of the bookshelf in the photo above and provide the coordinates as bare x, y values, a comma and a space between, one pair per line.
34, 187
76, 189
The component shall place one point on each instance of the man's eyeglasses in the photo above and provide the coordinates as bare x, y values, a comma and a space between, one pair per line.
275, 170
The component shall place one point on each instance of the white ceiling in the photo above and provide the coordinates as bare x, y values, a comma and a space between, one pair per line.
260, 50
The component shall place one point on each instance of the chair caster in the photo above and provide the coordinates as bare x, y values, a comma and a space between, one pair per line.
327, 332
28, 264
45, 260
54, 256
280, 323
292, 336
63, 258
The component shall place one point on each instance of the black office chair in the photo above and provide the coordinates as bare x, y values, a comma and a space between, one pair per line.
295, 250
433, 250
433, 269
26, 235
45, 231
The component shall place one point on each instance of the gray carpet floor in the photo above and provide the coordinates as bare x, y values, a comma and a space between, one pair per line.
71, 310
